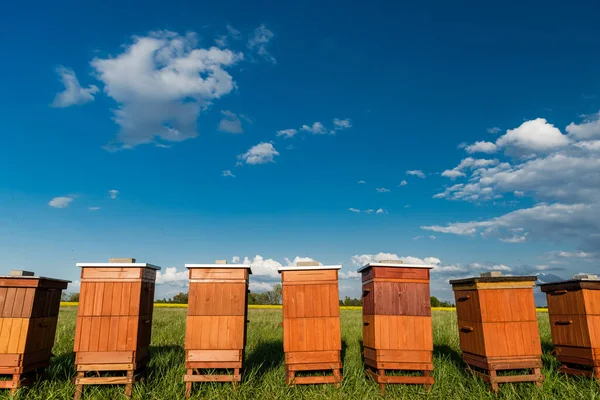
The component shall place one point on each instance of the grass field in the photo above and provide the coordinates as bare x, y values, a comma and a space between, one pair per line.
264, 373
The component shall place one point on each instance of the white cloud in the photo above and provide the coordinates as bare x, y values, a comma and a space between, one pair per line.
588, 129
60, 202
171, 275
481, 147
494, 130
382, 190
261, 153
349, 275
361, 182
263, 267
590, 145
453, 174
316, 128
354, 210
432, 237
403, 183
340, 124
255, 286
417, 173
381, 211
93, 208
230, 122
298, 259
574, 254
232, 33
113, 193
235, 260
287, 133
259, 41
161, 82
533, 136
227, 173
73, 94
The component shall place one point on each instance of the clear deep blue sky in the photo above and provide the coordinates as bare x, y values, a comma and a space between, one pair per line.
409, 81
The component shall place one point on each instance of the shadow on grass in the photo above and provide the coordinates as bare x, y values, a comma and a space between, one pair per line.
446, 352
265, 357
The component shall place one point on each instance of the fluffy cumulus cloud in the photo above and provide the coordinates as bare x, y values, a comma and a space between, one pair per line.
228, 174
533, 136
560, 174
113, 193
161, 83
73, 94
261, 153
259, 41
403, 183
340, 124
481, 147
171, 276
317, 128
60, 202
230, 122
383, 190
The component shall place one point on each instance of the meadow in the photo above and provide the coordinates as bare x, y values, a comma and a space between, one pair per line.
264, 370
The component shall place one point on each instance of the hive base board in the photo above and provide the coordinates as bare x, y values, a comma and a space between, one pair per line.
487, 369
378, 375
291, 378
580, 370
133, 373
18, 380
194, 375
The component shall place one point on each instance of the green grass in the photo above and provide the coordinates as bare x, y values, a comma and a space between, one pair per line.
264, 369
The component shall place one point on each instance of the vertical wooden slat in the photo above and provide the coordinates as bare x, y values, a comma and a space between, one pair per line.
9, 302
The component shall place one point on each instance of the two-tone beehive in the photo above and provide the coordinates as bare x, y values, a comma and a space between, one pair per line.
397, 330
498, 327
28, 315
574, 309
311, 322
114, 322
215, 336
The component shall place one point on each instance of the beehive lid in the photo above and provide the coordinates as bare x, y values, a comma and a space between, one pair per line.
581, 281
393, 264
493, 282
34, 281
119, 263
308, 266
220, 264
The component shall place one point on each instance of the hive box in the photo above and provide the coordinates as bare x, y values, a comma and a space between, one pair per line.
215, 335
311, 322
28, 314
498, 327
397, 331
574, 309
114, 322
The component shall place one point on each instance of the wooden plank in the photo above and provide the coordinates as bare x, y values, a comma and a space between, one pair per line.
400, 273
105, 357
9, 302
308, 276
570, 330
214, 355
591, 299
314, 366
111, 274
19, 301
213, 365
403, 333
104, 380
106, 367
10, 360
500, 305
218, 273
310, 357
312, 380
400, 298
217, 299
212, 378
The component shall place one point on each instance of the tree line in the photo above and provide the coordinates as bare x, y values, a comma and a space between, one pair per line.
269, 297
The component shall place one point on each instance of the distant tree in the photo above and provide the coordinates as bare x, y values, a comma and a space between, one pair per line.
274, 295
180, 298
70, 297
435, 302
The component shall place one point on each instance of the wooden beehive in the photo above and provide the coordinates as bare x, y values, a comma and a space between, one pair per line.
215, 335
574, 309
28, 315
498, 327
397, 330
114, 322
311, 322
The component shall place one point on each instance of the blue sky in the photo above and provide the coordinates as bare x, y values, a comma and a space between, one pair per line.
244, 131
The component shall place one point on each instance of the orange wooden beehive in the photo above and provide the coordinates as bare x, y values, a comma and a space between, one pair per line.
311, 322
498, 327
28, 315
574, 308
215, 336
114, 322
397, 331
